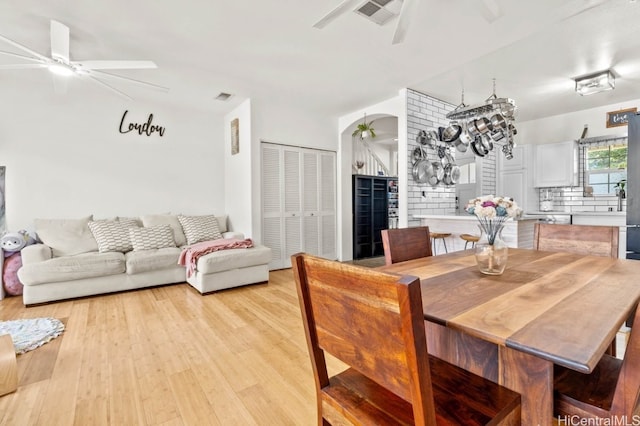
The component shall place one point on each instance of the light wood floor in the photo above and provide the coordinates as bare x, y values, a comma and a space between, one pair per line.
169, 356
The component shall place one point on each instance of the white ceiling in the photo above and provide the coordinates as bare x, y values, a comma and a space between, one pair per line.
267, 49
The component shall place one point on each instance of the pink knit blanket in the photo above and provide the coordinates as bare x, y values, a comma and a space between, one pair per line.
190, 254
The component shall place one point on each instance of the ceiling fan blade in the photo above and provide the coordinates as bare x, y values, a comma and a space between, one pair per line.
16, 55
489, 9
59, 41
25, 48
115, 65
403, 21
113, 89
131, 80
21, 66
339, 10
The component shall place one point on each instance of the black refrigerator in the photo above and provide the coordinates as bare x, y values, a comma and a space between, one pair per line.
633, 188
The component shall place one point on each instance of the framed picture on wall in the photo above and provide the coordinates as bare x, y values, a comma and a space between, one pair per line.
620, 117
235, 136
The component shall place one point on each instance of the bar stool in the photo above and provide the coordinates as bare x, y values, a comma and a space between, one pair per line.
439, 236
468, 238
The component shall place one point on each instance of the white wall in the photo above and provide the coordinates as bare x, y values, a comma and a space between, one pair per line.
565, 127
65, 158
395, 106
238, 171
292, 125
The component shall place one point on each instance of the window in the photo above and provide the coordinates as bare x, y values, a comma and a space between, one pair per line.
467, 173
605, 167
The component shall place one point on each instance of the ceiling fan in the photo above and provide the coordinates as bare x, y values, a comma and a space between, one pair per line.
62, 67
387, 9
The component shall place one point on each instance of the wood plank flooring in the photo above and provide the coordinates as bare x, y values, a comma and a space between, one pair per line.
169, 356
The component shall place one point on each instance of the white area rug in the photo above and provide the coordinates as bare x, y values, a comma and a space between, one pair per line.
29, 334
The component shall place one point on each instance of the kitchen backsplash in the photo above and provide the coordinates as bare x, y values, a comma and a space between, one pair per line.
572, 199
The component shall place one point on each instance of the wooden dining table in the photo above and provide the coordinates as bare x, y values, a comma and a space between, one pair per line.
545, 309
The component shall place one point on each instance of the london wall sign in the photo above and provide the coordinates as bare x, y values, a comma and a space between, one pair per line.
147, 128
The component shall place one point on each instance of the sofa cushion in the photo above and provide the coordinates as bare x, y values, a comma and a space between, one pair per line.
112, 235
200, 228
153, 237
151, 260
225, 260
68, 268
66, 237
167, 219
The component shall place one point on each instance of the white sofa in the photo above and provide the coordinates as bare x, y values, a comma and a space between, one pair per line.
83, 257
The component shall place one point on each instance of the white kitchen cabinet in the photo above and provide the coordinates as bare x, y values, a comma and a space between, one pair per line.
515, 178
556, 164
604, 219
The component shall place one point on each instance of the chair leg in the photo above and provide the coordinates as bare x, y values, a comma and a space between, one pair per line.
444, 243
433, 246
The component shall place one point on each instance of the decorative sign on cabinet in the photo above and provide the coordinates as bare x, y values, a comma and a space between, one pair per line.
556, 164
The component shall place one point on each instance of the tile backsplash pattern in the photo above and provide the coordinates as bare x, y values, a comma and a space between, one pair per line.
426, 113
572, 199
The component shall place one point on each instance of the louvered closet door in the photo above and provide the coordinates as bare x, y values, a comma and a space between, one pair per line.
272, 223
299, 202
292, 203
327, 185
310, 193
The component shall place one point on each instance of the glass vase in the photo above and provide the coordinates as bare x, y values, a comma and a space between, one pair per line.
491, 250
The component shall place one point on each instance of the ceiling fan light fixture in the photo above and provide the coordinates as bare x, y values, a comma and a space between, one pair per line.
595, 83
60, 69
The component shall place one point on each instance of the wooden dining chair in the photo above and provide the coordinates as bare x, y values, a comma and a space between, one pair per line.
402, 244
373, 322
611, 391
580, 239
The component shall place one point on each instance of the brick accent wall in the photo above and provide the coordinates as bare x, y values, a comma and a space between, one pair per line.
428, 113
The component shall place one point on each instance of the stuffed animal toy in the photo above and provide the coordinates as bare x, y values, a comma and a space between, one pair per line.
11, 244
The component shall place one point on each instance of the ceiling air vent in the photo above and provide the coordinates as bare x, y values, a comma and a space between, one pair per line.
223, 96
379, 11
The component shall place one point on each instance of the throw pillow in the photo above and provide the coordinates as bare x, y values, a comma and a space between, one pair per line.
112, 235
200, 228
222, 223
153, 237
66, 237
166, 219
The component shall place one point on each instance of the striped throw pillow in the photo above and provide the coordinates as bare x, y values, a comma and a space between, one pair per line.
200, 228
153, 237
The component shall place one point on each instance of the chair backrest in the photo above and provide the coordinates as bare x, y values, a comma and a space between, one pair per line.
580, 239
406, 244
371, 321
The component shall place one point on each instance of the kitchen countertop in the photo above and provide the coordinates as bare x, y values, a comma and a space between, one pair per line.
459, 216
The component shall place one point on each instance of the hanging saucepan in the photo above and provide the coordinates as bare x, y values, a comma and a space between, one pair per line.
472, 129
483, 125
486, 142
463, 141
422, 169
497, 135
451, 133
477, 148
417, 154
498, 122
451, 174
422, 137
432, 138
508, 110
437, 173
